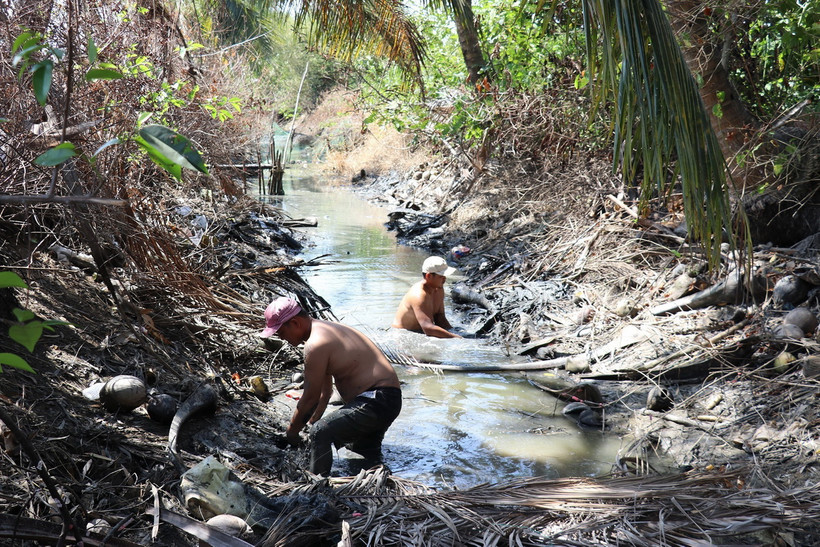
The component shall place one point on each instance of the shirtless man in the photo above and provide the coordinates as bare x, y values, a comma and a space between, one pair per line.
422, 308
363, 376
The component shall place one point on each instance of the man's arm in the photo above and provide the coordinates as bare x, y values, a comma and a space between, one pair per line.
429, 326
327, 391
441, 321
315, 378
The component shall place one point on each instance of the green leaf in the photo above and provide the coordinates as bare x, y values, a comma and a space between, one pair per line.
581, 81
56, 155
92, 50
24, 40
171, 147
27, 43
27, 335
11, 279
143, 117
42, 80
173, 168
95, 74
191, 47
15, 361
24, 54
23, 315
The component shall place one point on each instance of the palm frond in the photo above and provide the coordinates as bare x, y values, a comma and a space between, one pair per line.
658, 112
337, 28
235, 21
689, 509
349, 29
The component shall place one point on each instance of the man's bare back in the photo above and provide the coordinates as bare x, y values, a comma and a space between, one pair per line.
354, 362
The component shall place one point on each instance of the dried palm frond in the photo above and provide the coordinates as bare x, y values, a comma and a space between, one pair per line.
689, 509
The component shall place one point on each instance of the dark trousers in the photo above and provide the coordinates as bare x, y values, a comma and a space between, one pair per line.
359, 426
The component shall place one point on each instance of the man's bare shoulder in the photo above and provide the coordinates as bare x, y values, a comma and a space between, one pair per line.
323, 331
321, 334
416, 292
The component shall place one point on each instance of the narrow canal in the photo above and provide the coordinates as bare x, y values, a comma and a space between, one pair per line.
456, 430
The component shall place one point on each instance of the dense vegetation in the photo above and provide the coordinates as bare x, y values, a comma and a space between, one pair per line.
117, 116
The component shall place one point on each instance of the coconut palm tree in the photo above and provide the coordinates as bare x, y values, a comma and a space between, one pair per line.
340, 28
468, 40
633, 60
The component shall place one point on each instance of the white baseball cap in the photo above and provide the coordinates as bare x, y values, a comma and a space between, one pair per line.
437, 265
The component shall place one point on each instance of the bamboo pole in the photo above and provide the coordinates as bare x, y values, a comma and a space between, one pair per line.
289, 142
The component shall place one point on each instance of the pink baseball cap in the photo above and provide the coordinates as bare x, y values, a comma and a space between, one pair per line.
277, 313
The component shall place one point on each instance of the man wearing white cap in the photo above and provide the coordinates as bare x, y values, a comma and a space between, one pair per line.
362, 374
422, 308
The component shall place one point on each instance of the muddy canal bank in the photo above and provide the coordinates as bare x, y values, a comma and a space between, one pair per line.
604, 299
701, 369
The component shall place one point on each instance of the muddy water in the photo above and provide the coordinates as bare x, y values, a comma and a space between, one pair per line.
456, 429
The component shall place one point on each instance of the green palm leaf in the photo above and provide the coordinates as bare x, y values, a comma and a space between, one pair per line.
339, 28
632, 52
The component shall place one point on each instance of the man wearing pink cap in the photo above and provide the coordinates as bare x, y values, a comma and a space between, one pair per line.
363, 376
422, 308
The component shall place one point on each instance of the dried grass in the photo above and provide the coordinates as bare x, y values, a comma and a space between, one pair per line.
140, 246
337, 123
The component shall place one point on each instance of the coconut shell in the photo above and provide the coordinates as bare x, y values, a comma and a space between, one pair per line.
162, 408
231, 525
574, 408
787, 330
123, 393
783, 361
811, 366
803, 318
790, 290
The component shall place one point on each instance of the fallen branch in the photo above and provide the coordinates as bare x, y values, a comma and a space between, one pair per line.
727, 291
45, 198
629, 336
515, 367
674, 418
462, 294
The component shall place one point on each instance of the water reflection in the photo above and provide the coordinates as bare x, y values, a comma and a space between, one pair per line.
455, 429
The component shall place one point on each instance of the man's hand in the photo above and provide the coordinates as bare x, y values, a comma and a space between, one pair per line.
293, 437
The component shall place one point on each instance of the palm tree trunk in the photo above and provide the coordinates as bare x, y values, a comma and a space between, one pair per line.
468, 40
731, 121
